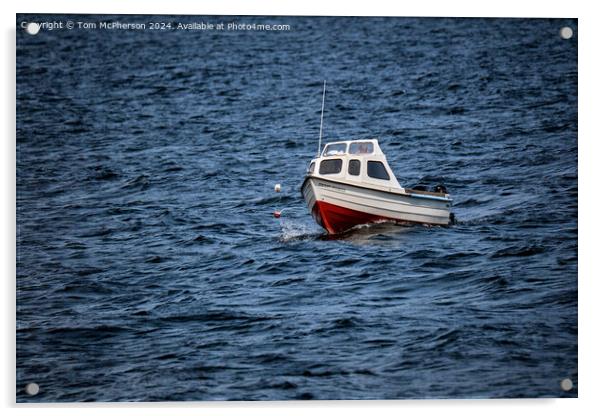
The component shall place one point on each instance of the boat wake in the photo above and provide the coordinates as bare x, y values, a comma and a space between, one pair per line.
293, 230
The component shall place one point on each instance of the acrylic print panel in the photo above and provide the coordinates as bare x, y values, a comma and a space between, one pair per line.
180, 238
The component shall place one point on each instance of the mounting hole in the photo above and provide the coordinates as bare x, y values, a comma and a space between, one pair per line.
566, 384
32, 389
566, 32
32, 28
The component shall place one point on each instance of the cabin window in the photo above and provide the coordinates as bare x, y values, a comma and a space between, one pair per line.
361, 148
330, 166
335, 149
377, 170
354, 167
311, 168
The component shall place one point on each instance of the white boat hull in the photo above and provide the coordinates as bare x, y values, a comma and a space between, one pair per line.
339, 206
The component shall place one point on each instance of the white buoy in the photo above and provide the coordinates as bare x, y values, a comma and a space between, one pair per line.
277, 187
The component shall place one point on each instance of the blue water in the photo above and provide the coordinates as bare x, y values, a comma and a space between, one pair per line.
150, 267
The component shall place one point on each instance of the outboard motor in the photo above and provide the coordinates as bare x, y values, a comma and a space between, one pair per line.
440, 189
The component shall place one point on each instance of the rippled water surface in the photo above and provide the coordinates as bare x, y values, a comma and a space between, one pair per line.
149, 266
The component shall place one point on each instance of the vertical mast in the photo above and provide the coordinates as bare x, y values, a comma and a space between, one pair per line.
321, 119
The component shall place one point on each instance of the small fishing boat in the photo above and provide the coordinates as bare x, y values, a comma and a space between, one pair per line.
350, 183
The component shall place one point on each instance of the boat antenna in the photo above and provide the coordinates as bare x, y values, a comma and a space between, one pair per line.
321, 119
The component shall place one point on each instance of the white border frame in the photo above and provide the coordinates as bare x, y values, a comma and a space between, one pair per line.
589, 33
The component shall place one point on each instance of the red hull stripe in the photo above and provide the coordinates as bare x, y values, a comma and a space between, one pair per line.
336, 219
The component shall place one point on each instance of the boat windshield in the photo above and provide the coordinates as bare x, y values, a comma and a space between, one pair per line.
335, 149
359, 148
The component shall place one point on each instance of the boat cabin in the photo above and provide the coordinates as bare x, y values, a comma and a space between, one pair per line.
360, 161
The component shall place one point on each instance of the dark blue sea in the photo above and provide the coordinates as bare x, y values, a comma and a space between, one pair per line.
150, 267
